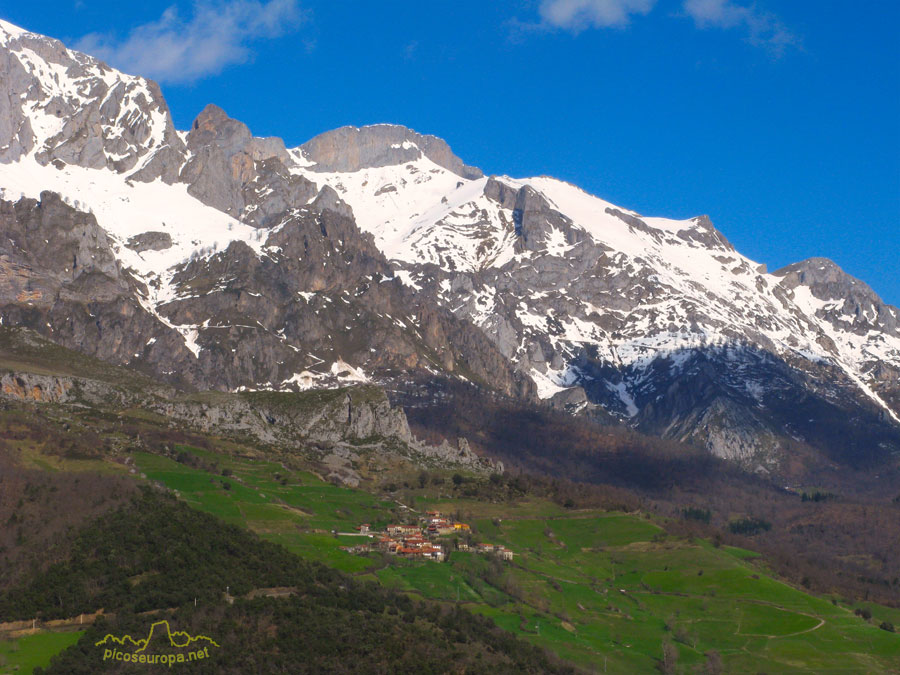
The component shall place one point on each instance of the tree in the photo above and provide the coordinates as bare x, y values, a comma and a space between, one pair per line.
670, 658
694, 513
749, 526
714, 664
682, 635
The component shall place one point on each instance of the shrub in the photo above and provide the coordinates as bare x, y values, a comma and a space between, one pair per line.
693, 513
749, 526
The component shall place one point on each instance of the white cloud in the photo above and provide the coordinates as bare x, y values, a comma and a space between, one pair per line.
762, 28
174, 50
577, 15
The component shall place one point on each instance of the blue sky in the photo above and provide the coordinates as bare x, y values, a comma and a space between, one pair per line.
781, 120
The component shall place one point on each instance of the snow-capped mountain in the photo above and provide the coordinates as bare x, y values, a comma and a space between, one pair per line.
661, 322
219, 259
205, 257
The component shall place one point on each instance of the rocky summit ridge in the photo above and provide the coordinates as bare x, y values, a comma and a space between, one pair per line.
213, 259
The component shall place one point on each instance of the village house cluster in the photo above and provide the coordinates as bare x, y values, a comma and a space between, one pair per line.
418, 540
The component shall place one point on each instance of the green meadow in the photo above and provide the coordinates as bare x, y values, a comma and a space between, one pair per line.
24, 654
604, 590
292, 508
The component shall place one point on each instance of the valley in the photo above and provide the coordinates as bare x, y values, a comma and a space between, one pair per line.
592, 586
589, 584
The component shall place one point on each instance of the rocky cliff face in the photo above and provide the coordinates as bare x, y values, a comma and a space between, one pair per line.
328, 426
34, 388
296, 293
231, 170
350, 149
61, 277
269, 319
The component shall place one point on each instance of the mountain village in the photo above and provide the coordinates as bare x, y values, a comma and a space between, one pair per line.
431, 537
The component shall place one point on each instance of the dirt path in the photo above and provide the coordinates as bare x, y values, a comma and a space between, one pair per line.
755, 602
808, 630
786, 635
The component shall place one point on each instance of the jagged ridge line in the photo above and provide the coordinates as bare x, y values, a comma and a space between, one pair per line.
143, 642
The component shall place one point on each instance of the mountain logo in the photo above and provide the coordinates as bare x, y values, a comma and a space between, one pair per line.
130, 650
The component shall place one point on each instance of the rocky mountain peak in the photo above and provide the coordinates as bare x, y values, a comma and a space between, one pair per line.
213, 126
501, 193
844, 298
353, 148
705, 233
229, 169
814, 272
329, 200
64, 107
9, 32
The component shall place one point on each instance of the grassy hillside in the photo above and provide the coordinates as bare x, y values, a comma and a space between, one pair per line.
606, 588
845, 542
595, 587
156, 558
24, 654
